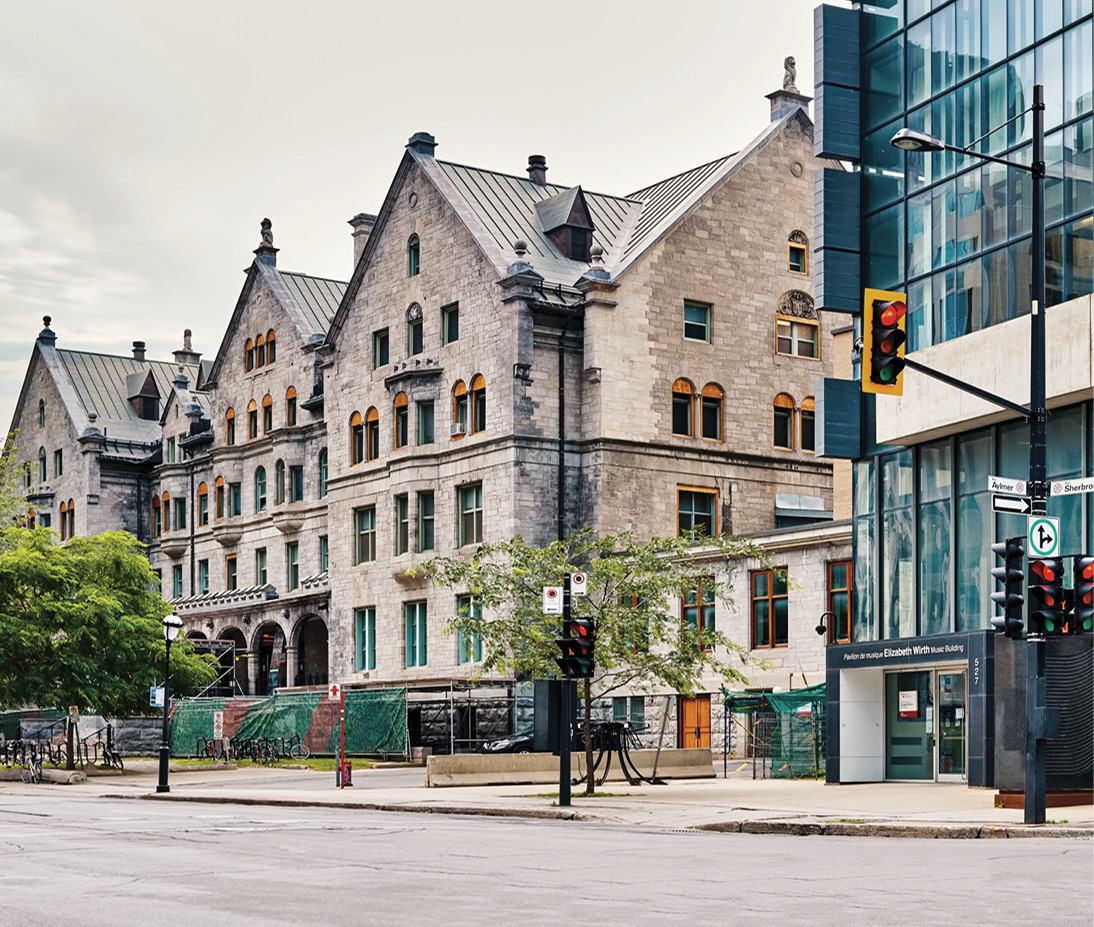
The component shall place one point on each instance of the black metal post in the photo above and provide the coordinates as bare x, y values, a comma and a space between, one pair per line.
565, 710
165, 747
1035, 787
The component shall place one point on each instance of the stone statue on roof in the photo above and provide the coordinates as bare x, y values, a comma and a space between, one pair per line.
791, 76
267, 232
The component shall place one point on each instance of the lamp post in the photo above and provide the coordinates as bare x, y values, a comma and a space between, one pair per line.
910, 140
172, 624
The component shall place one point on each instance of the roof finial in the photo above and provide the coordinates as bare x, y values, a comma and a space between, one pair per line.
267, 225
266, 253
791, 75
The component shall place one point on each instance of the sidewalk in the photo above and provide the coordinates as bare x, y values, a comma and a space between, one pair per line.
733, 805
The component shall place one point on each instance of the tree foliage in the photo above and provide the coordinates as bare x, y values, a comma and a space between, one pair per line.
640, 644
13, 501
80, 624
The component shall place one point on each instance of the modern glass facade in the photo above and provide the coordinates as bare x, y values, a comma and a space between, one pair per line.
919, 569
952, 230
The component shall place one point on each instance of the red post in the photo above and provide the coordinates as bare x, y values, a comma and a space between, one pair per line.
342, 741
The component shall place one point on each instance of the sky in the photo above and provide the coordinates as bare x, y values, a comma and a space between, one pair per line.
142, 143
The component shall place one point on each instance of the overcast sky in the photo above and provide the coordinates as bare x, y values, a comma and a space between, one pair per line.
141, 143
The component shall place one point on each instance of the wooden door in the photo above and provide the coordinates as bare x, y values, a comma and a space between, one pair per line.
694, 717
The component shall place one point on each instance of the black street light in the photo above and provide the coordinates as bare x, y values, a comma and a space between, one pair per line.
172, 624
910, 140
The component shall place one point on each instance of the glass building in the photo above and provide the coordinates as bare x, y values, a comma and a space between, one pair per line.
954, 232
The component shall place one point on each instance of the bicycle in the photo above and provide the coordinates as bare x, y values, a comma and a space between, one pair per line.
298, 750
32, 767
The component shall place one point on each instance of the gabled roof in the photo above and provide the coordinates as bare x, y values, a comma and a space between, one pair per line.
565, 208
499, 209
309, 303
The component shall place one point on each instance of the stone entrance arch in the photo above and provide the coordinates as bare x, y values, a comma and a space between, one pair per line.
310, 644
243, 682
268, 649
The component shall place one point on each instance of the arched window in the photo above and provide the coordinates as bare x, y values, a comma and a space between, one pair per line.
41, 413
459, 409
279, 482
260, 351
478, 404
784, 422
157, 518
271, 346
230, 427
71, 519
796, 250
372, 434
413, 256
356, 438
322, 473
401, 408
683, 409
267, 414
203, 504
260, 489
710, 415
252, 420
249, 356
807, 434
41, 465
166, 512
219, 501
290, 406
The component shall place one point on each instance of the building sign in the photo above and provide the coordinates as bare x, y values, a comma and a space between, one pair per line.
904, 652
908, 703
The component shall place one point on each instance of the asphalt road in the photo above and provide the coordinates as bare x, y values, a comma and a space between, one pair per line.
88, 861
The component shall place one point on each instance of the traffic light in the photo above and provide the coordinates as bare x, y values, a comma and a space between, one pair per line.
1082, 619
1011, 575
577, 660
884, 331
1047, 612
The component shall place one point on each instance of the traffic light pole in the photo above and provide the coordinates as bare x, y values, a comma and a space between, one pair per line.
564, 710
1035, 786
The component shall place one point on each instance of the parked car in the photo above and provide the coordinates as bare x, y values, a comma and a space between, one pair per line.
521, 742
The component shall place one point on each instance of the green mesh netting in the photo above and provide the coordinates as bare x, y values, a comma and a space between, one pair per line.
375, 721
789, 727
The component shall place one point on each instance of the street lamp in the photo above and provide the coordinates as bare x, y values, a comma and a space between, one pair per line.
172, 624
910, 140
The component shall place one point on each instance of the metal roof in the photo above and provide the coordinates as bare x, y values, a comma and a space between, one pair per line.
317, 297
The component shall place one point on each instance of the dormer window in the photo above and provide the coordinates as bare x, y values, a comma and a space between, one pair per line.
144, 397
565, 220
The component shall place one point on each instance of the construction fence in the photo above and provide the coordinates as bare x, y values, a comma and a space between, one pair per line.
785, 730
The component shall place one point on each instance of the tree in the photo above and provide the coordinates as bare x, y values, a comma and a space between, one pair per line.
13, 500
80, 624
639, 643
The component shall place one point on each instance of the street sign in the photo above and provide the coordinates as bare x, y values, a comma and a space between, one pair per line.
552, 600
1018, 505
155, 696
73, 712
334, 692
1071, 487
218, 725
579, 584
1043, 536
1002, 484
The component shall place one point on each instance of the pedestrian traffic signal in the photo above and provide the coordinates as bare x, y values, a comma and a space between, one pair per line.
1082, 618
1047, 611
1009, 596
884, 331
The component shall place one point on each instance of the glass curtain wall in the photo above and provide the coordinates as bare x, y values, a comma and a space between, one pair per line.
950, 229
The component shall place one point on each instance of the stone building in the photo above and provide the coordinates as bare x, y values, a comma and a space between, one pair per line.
509, 356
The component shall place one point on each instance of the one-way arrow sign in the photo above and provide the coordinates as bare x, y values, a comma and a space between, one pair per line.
1016, 505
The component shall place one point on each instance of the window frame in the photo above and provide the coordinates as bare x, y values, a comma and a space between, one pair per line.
262, 574
267, 414
296, 483
252, 420
831, 591
364, 534
401, 411
793, 338
470, 516
203, 577
694, 493
413, 255
478, 404
771, 598
450, 323
422, 406
372, 435
203, 504
785, 403
808, 411
683, 395
260, 489
230, 427
459, 407
271, 346
235, 499
707, 310
364, 635
324, 553
712, 395
402, 523
231, 573
292, 565
702, 612
793, 247
469, 605
416, 624
356, 439
427, 523
324, 469
290, 406
381, 346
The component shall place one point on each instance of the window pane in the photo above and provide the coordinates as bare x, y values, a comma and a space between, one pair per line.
935, 601
883, 96
681, 414
425, 423
712, 418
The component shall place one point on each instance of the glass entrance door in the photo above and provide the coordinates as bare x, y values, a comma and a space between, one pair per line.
909, 725
952, 726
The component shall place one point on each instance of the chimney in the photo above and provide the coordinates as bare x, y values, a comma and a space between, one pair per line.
422, 143
187, 355
788, 98
537, 170
363, 224
138, 350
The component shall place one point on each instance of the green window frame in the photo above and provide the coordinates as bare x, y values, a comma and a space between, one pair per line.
364, 533
470, 506
426, 539
697, 321
425, 422
450, 323
402, 524
697, 509
416, 621
469, 644
364, 620
379, 348
231, 573
261, 575
292, 565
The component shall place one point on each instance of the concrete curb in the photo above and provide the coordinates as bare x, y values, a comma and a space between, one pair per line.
924, 831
